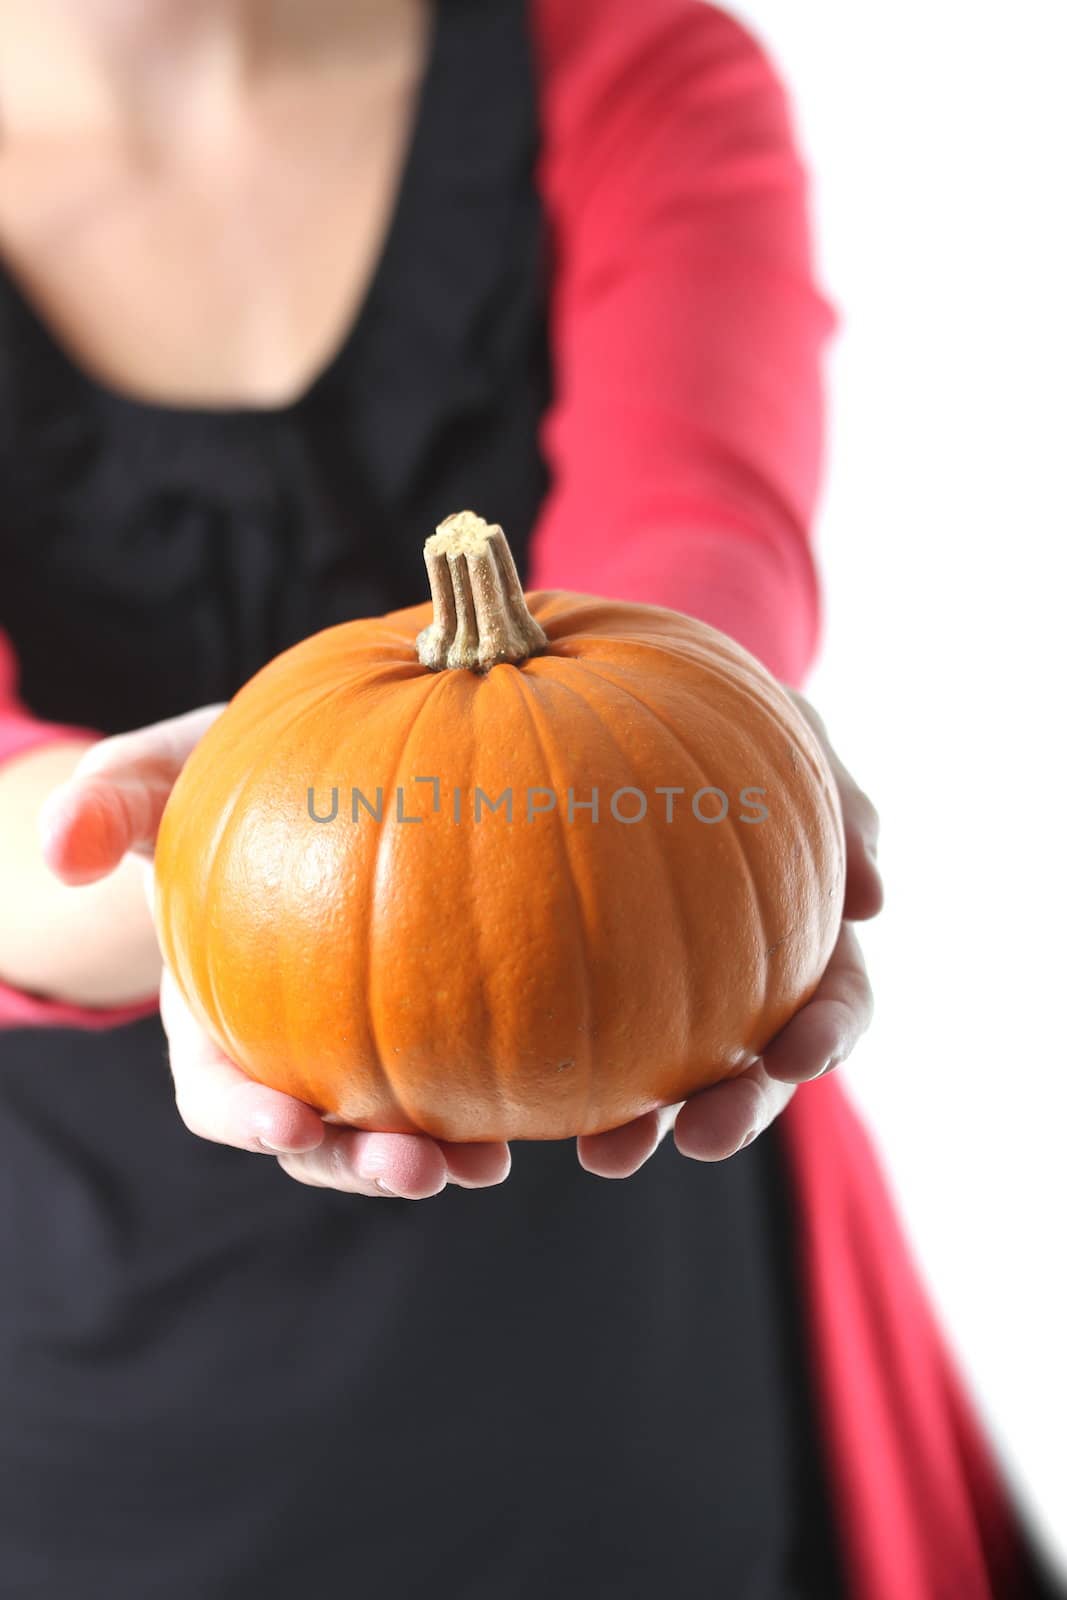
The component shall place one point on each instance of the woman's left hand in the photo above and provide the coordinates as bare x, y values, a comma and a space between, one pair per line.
724, 1119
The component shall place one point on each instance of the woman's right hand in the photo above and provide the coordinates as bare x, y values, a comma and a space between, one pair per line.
110, 809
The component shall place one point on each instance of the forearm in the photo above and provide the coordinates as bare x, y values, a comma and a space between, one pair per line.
761, 592
686, 433
92, 946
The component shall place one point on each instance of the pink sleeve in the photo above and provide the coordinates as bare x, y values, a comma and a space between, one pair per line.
20, 731
685, 438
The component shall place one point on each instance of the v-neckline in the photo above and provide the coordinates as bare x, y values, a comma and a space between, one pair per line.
115, 395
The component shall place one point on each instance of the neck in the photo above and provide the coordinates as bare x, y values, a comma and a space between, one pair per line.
147, 69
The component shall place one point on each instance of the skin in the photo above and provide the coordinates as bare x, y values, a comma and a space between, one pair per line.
152, 157
156, 156
109, 809
91, 946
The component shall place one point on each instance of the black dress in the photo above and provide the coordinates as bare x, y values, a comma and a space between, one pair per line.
216, 1383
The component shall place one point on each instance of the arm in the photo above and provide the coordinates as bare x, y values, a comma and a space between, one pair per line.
107, 815
67, 956
685, 441
686, 438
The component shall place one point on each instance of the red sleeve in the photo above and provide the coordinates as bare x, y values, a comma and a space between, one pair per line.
923, 1504
685, 438
685, 444
21, 731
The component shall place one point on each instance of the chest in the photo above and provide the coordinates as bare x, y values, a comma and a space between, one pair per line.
155, 551
222, 274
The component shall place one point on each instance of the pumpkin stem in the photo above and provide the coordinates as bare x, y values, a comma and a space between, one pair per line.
480, 616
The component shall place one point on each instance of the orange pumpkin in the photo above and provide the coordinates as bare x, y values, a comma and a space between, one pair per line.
359, 915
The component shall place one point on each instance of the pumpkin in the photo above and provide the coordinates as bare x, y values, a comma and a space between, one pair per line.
501, 866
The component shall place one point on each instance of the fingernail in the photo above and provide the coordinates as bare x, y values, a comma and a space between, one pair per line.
272, 1149
753, 1133
379, 1183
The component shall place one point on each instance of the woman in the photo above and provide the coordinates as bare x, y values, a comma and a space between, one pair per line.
284, 283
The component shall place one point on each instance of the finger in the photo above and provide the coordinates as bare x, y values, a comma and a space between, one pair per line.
725, 1118
405, 1166
825, 1031
621, 1152
113, 801
89, 824
864, 890
476, 1166
217, 1101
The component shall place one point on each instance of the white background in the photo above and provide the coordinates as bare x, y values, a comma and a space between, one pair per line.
937, 140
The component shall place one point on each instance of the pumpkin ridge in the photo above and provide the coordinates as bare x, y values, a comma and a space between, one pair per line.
311, 707
485, 942
663, 853
218, 834
432, 688
348, 689
575, 626
754, 893
216, 857
698, 766
527, 696
357, 680
760, 911
787, 726
799, 832
806, 742
752, 693
306, 703
574, 612
706, 656
359, 637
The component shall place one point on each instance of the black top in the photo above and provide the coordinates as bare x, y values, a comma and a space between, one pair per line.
217, 1383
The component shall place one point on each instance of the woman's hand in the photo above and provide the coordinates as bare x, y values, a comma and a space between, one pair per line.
111, 808
724, 1119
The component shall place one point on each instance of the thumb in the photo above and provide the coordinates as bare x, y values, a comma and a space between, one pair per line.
113, 802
